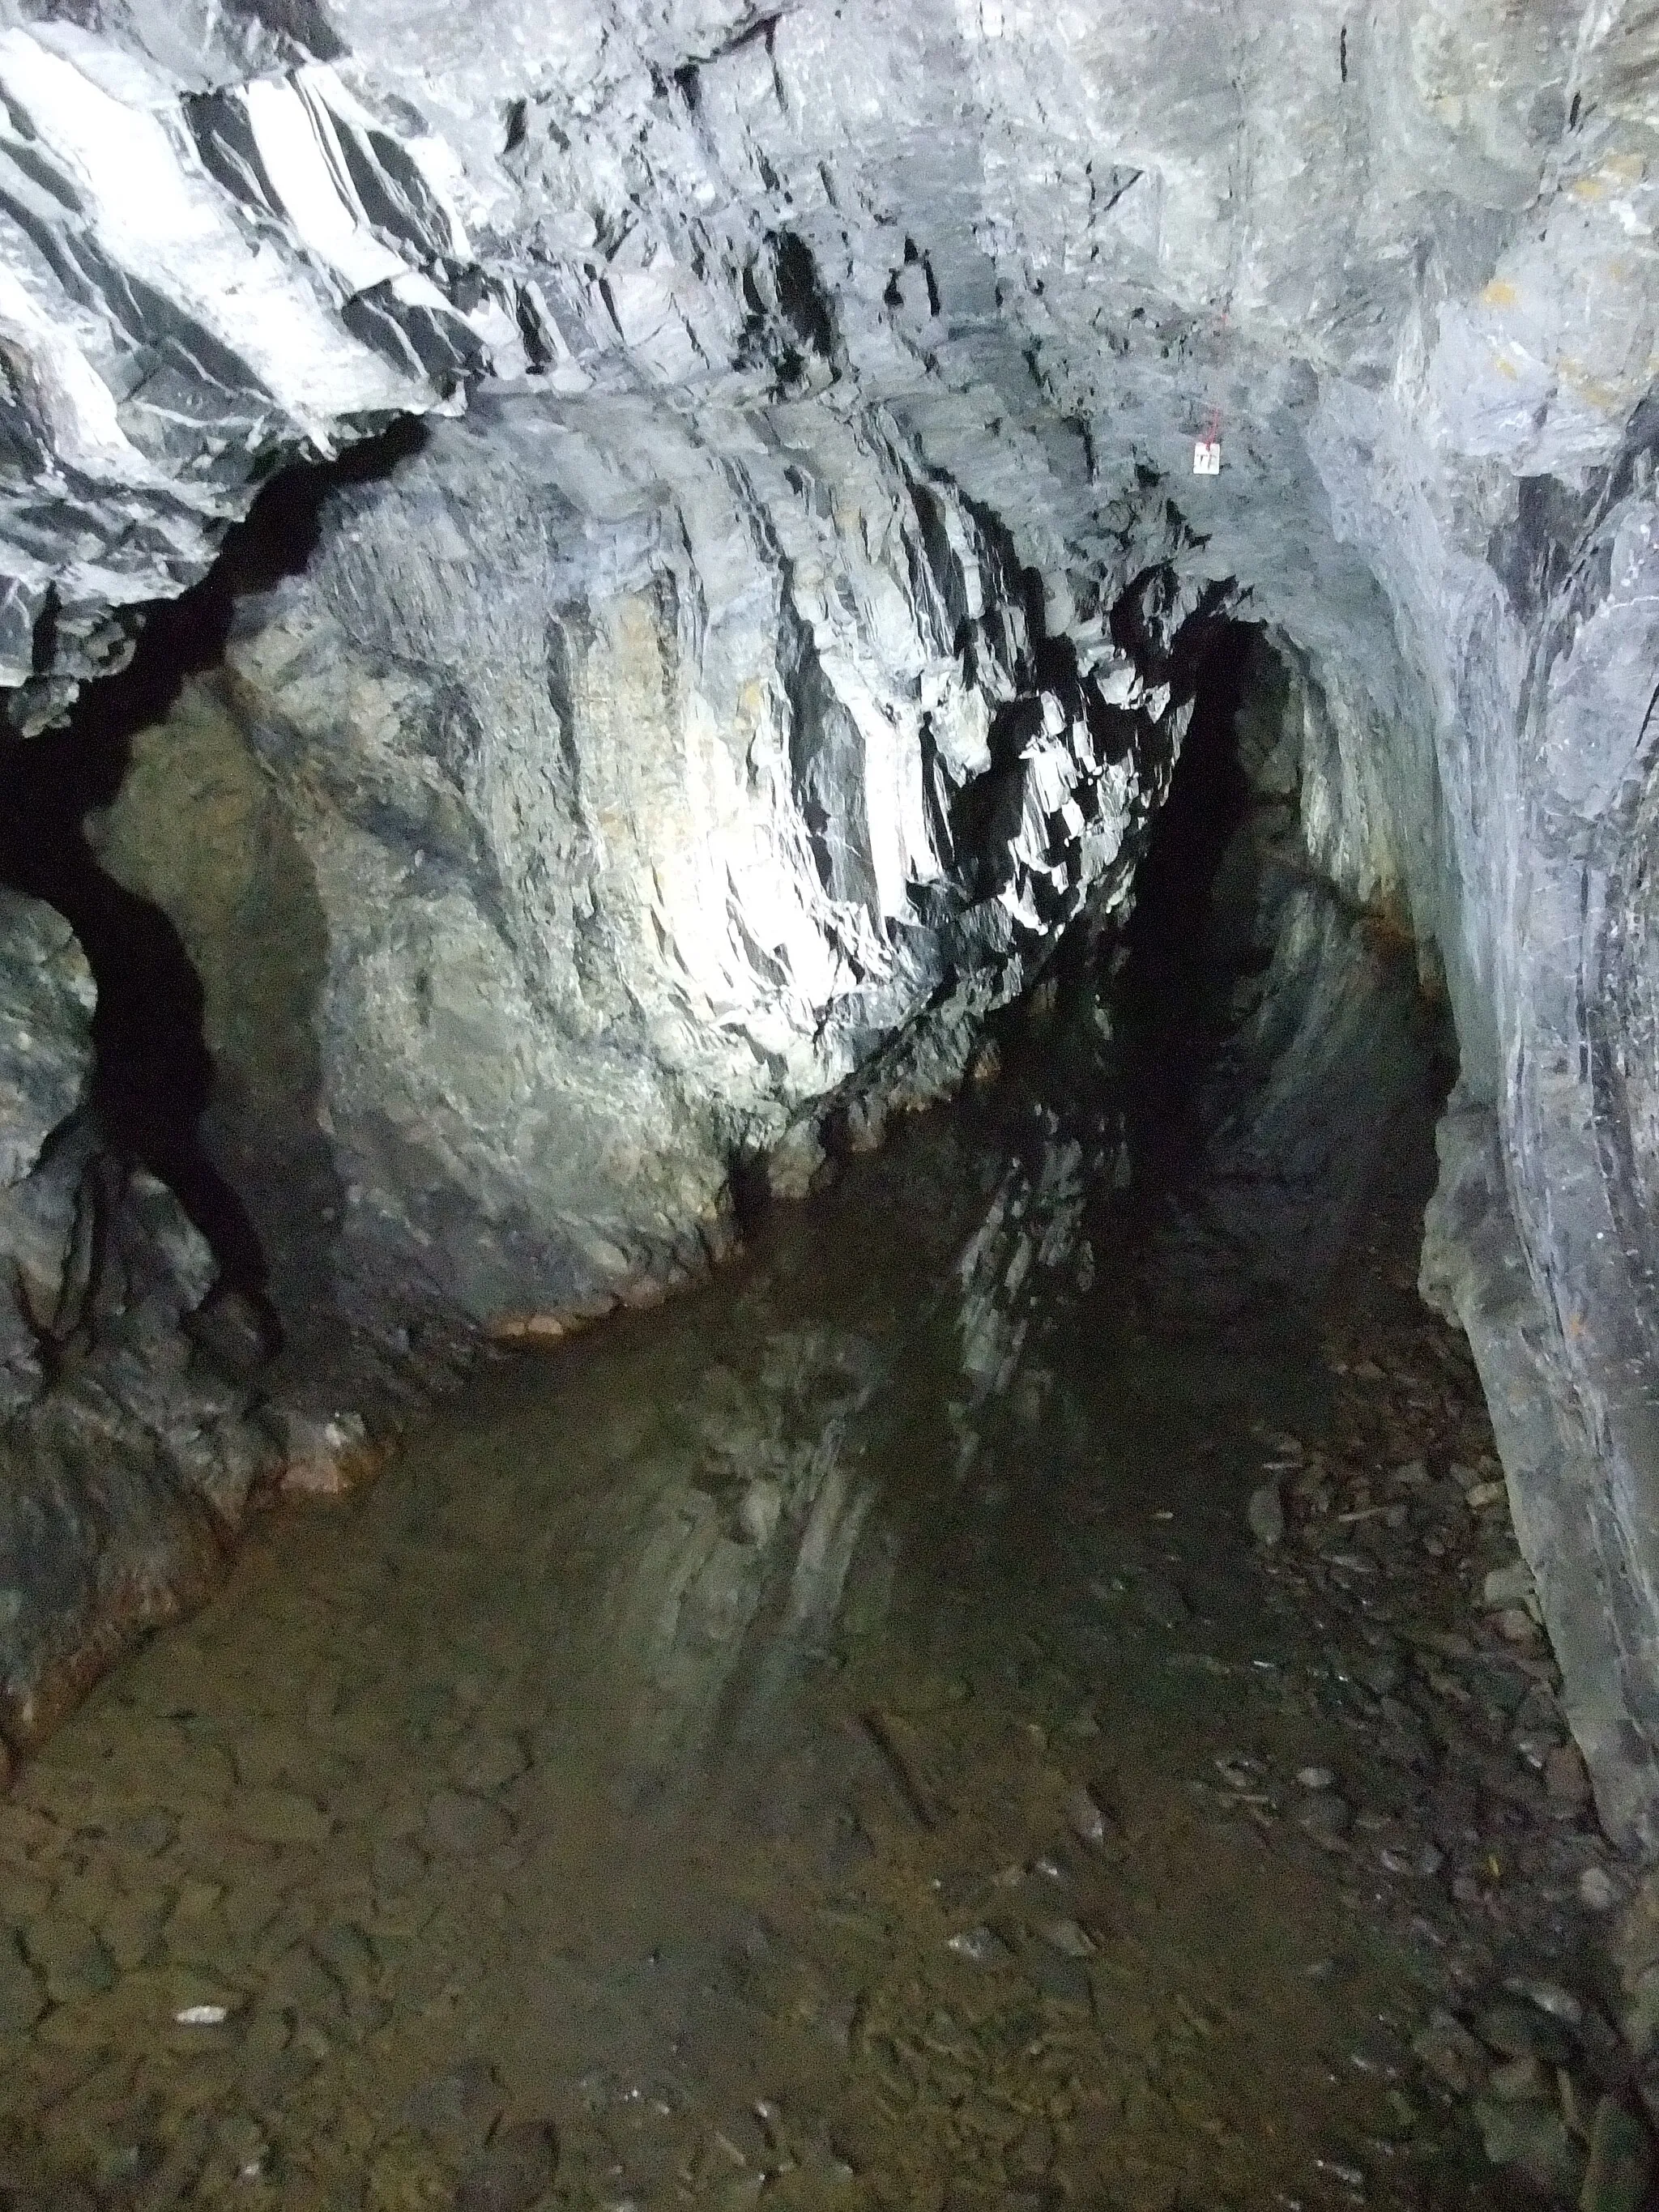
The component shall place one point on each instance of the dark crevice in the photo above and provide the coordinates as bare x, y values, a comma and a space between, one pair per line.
1167, 990
152, 1073
1282, 1073
304, 25
749, 1185
801, 294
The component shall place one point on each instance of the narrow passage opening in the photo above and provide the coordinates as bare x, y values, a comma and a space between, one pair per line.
1173, 990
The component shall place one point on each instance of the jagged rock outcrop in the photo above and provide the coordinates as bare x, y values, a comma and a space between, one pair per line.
723, 711
628, 808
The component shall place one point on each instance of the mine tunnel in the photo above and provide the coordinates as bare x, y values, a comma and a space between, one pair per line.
860, 1551
826, 1014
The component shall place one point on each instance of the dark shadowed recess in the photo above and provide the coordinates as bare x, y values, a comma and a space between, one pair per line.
1282, 1067
153, 1074
1168, 992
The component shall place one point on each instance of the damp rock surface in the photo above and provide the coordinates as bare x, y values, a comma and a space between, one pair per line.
761, 1748
646, 801
825, 381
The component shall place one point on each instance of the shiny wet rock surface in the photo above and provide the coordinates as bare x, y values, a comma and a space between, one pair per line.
836, 1740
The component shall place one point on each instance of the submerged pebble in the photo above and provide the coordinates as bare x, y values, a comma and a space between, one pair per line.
980, 1946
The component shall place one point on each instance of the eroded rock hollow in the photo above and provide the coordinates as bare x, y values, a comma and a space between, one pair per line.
750, 633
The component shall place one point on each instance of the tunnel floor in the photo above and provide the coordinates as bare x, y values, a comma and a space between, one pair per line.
745, 1756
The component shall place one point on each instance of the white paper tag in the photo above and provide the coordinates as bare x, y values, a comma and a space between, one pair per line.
1207, 458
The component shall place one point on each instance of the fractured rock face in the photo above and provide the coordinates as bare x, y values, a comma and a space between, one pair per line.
605, 799
741, 700
44, 1052
119, 1470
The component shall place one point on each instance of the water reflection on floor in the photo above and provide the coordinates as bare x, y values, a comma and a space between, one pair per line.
764, 1752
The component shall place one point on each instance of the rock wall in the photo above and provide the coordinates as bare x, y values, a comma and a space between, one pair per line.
607, 813
739, 698
605, 797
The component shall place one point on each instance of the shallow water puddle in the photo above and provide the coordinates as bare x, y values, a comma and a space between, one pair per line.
816, 1744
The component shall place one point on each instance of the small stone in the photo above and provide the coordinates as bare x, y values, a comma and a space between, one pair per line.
1239, 1770
1539, 1710
348, 1955
1068, 1936
1518, 2030
1316, 1777
1057, 1975
1327, 1818
1507, 1586
485, 1764
1565, 1780
1519, 2081
75, 1963
1034, 2151
1620, 2160
398, 1863
1452, 2055
1641, 2020
148, 1833
867, 1125
1597, 1890
465, 1826
514, 2170
980, 1946
459, 2110
1535, 2138
742, 2140
1485, 1495
1088, 1821
246, 2144
403, 2172
1516, 1625
1550, 1998
1264, 1515
278, 1816
300, 1980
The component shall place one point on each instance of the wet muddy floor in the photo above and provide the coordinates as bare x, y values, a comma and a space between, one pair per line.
833, 1740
